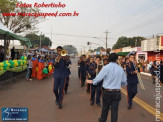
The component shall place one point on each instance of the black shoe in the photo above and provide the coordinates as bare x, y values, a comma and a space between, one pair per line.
110, 107
129, 107
82, 85
88, 91
98, 104
60, 106
56, 102
92, 103
65, 91
99, 119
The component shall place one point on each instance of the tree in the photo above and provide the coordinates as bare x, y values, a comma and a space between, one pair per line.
125, 41
90, 50
35, 40
98, 49
70, 48
18, 24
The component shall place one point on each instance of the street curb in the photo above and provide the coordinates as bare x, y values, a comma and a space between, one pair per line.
148, 74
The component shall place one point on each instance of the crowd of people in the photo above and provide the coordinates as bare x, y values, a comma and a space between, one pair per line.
105, 75
10, 55
146, 66
39, 66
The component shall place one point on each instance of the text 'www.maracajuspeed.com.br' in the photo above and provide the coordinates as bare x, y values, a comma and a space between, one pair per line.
41, 14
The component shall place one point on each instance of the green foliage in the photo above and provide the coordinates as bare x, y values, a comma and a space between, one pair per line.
17, 24
125, 42
91, 51
35, 40
98, 49
70, 48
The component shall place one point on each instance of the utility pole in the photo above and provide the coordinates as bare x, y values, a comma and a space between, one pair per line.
106, 39
136, 43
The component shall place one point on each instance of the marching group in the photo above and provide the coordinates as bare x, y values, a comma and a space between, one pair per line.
103, 75
106, 75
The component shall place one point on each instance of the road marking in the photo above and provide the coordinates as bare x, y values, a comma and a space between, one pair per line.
144, 105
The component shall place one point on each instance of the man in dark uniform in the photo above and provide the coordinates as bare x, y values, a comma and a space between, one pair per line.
93, 69
68, 78
91, 72
132, 79
60, 75
80, 59
82, 70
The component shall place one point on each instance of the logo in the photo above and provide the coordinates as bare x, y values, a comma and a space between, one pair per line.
14, 114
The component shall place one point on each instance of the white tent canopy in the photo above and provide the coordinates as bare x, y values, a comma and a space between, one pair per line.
2, 27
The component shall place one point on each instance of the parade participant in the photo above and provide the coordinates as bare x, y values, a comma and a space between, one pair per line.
29, 69
80, 59
132, 79
113, 77
60, 75
41, 66
158, 68
46, 64
50, 64
90, 72
96, 88
87, 63
88, 59
35, 66
68, 78
153, 71
82, 70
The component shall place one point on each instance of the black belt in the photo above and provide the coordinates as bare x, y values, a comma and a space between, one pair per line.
117, 90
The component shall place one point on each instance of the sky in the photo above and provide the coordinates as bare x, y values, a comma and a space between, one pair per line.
120, 17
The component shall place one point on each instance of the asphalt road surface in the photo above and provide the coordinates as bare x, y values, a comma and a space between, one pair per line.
38, 97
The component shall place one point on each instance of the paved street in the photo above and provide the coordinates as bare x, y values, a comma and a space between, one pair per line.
38, 97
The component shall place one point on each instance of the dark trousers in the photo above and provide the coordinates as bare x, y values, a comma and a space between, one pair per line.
110, 98
82, 77
96, 89
132, 91
88, 87
79, 73
67, 83
58, 88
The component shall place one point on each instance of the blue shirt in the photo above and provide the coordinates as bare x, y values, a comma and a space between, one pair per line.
113, 76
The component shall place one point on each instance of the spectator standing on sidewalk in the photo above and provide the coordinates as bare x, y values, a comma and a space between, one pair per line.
13, 53
29, 68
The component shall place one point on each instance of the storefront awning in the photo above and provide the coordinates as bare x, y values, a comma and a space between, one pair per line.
122, 53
